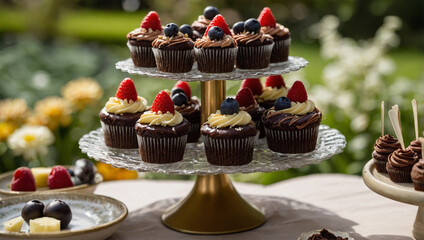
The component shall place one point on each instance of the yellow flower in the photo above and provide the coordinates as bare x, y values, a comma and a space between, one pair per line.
82, 92
13, 110
6, 128
110, 173
53, 112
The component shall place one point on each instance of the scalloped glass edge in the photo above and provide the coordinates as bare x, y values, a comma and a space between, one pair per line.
291, 65
330, 142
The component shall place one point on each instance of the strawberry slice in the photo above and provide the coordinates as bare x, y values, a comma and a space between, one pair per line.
254, 84
59, 178
275, 81
185, 87
266, 18
297, 92
163, 103
151, 20
23, 180
245, 97
127, 90
219, 21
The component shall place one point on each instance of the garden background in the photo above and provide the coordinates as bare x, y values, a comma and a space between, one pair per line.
57, 70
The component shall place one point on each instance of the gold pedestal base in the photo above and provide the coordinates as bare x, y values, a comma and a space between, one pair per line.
213, 207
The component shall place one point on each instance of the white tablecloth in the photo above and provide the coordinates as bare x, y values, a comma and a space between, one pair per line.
333, 201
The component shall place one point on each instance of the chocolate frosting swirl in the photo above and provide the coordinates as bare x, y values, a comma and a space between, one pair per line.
205, 42
402, 158
417, 173
416, 147
142, 34
191, 107
247, 37
278, 30
162, 41
287, 121
384, 146
202, 21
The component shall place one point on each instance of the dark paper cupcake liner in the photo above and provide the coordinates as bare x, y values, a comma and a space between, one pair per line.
280, 51
193, 132
229, 152
380, 165
215, 60
119, 136
174, 61
292, 141
400, 176
142, 56
162, 150
419, 186
254, 57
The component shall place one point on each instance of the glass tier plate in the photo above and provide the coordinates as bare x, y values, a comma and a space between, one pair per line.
293, 64
330, 142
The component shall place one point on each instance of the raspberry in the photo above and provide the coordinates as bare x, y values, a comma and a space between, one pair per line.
245, 97
297, 92
59, 178
254, 84
266, 18
23, 180
275, 81
151, 20
127, 90
219, 21
185, 87
163, 103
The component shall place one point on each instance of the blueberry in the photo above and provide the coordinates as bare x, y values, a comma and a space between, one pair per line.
282, 103
210, 12
238, 27
187, 30
215, 33
71, 172
32, 209
171, 30
252, 25
84, 171
176, 90
179, 99
229, 106
59, 210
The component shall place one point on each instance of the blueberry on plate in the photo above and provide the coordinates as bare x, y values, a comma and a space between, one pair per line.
252, 25
32, 210
180, 99
177, 90
59, 210
282, 103
238, 27
186, 29
210, 12
229, 106
171, 30
215, 33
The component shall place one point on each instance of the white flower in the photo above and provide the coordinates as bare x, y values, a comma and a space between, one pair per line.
30, 141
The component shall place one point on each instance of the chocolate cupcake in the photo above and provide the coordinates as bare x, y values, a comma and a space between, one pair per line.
229, 135
216, 51
292, 125
162, 132
399, 165
120, 114
140, 40
248, 104
417, 175
280, 34
189, 107
275, 88
201, 24
254, 47
383, 147
416, 147
173, 51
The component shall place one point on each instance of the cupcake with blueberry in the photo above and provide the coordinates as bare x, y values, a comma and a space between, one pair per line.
216, 51
173, 51
274, 88
229, 135
292, 125
254, 46
162, 132
189, 107
248, 104
383, 147
201, 24
120, 114
280, 34
140, 40
186, 29
400, 163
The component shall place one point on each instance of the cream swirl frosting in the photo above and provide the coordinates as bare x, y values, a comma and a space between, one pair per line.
163, 119
269, 93
278, 30
219, 120
118, 106
144, 34
248, 37
206, 42
298, 108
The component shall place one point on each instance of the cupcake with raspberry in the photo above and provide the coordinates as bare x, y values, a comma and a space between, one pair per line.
280, 34
254, 46
383, 147
399, 165
201, 24
216, 51
255, 85
120, 114
189, 107
173, 51
229, 135
275, 88
140, 40
292, 125
162, 132
248, 104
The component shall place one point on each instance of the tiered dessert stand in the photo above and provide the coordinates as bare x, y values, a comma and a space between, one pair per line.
214, 206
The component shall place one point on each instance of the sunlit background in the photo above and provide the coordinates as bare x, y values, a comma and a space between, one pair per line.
57, 69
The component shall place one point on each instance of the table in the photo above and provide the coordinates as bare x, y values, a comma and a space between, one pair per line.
334, 201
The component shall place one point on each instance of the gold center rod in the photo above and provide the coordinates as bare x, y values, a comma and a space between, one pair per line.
213, 93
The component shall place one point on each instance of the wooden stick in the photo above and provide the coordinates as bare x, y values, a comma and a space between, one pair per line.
382, 118
415, 111
394, 115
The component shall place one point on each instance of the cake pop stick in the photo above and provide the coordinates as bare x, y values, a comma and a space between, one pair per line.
382, 118
394, 115
415, 111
